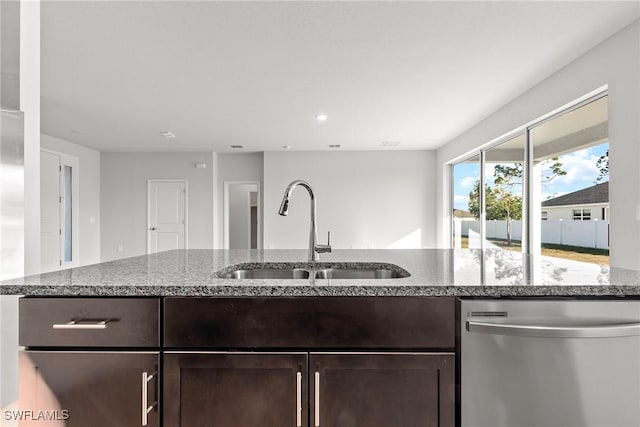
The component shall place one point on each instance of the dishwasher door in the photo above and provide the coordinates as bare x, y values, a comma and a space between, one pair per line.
550, 363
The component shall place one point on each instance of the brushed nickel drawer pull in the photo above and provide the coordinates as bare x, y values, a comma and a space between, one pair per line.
82, 324
146, 408
317, 399
299, 399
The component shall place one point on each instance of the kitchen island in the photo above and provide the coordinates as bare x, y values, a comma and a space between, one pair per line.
433, 272
168, 339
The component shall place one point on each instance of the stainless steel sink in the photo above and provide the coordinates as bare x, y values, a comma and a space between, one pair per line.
315, 270
358, 273
267, 273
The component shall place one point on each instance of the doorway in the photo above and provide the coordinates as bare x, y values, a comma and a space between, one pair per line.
166, 215
242, 229
58, 211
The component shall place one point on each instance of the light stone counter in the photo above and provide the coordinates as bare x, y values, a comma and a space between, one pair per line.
433, 272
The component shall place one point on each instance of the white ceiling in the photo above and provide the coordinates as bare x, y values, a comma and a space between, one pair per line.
117, 74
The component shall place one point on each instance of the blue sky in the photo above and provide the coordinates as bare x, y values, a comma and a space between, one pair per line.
580, 167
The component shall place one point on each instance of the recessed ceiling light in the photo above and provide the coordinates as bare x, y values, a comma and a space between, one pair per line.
286, 147
321, 117
237, 146
168, 134
334, 145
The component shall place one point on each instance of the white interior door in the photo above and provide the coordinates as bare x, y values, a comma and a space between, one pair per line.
58, 211
167, 215
50, 230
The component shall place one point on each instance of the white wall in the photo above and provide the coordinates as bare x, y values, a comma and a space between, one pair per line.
616, 63
88, 195
236, 167
124, 198
366, 199
30, 105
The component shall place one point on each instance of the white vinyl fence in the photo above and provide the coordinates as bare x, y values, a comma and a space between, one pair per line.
586, 234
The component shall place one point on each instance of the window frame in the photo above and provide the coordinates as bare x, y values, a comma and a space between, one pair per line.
531, 215
581, 214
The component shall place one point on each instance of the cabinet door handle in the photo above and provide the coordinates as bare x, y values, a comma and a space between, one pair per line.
146, 408
82, 324
299, 399
317, 399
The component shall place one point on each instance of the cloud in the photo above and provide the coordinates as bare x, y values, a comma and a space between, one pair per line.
467, 183
581, 170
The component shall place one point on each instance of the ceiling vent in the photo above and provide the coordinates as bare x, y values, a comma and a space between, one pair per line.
237, 146
389, 144
334, 145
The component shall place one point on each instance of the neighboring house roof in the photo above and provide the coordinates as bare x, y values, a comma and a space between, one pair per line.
599, 193
460, 213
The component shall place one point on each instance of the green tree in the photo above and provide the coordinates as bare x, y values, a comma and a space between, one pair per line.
603, 167
500, 201
500, 204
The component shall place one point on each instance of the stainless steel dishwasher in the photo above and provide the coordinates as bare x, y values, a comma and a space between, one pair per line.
548, 363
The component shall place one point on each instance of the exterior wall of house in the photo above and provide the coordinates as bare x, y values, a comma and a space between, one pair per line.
565, 213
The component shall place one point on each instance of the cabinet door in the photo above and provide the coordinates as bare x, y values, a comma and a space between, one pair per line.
382, 389
80, 389
235, 390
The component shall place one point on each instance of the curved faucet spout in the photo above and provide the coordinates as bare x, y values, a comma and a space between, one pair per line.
314, 248
284, 206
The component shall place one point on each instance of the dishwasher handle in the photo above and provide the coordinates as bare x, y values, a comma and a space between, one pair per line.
543, 331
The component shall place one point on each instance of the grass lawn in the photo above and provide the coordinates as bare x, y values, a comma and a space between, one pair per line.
575, 253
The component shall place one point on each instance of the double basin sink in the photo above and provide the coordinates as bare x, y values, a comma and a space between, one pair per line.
314, 271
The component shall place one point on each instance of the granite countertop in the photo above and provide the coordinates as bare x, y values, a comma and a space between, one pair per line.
434, 272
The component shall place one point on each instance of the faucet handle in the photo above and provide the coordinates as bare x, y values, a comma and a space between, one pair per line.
321, 249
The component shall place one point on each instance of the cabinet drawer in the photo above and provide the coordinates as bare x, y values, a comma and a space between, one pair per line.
89, 322
310, 322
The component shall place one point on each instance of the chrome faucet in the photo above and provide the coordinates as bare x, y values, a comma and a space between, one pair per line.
314, 247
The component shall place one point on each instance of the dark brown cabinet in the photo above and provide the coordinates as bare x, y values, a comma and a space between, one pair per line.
238, 362
339, 390
90, 322
235, 390
313, 361
320, 323
384, 389
80, 389
89, 362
